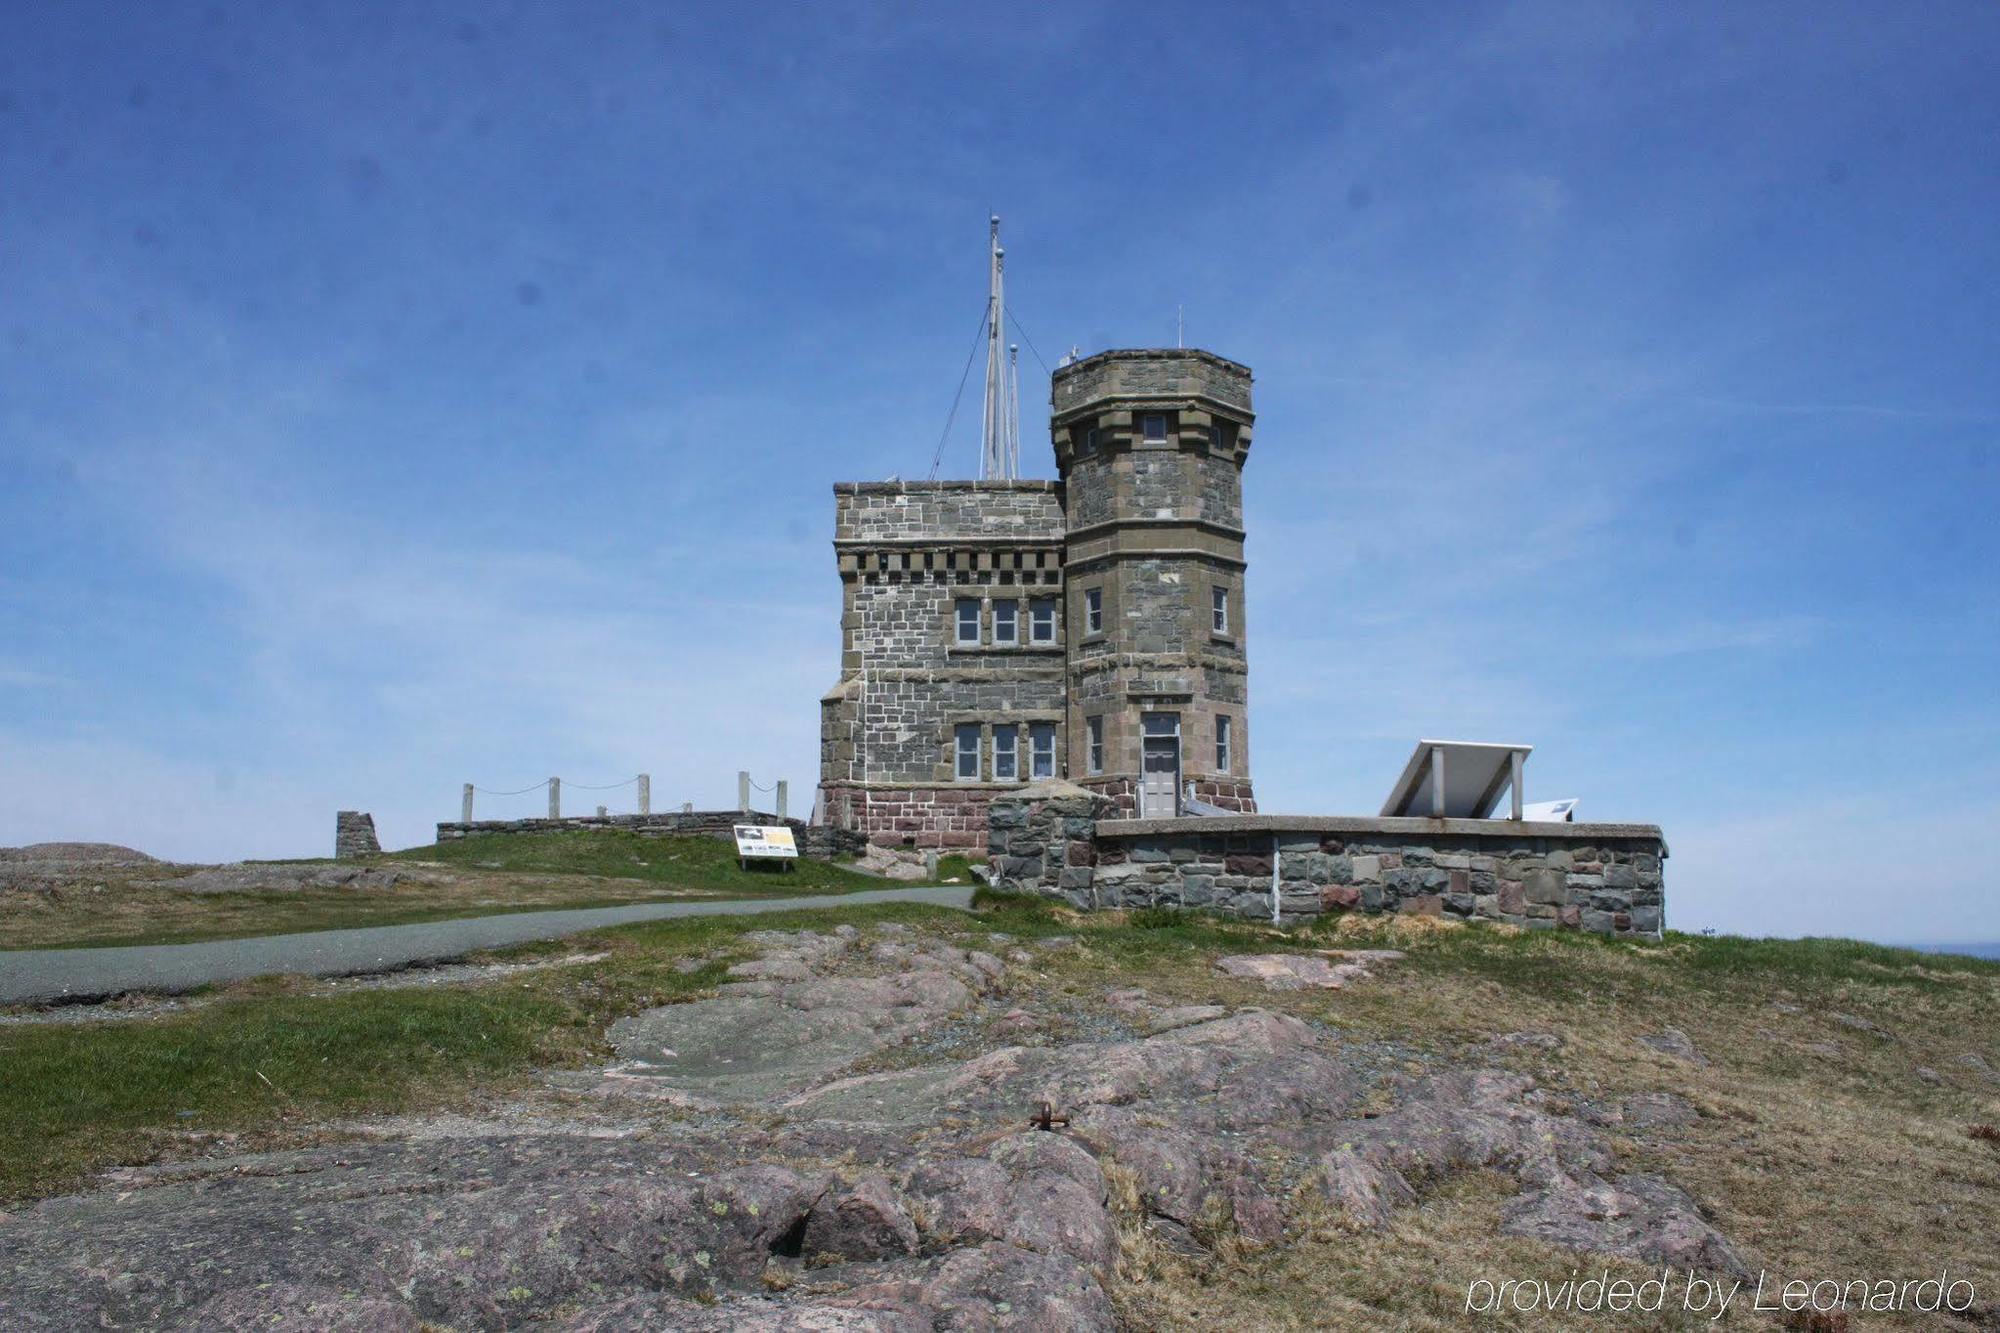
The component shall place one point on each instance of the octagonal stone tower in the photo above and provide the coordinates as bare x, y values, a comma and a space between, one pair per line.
1151, 445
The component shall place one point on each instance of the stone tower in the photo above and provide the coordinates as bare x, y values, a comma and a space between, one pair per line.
1151, 445
995, 633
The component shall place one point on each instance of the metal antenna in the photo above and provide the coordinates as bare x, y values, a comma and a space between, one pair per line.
996, 460
1013, 411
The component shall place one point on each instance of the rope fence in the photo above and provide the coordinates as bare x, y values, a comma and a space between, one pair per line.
778, 788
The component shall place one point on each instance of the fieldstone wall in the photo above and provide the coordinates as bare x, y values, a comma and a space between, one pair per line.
815, 840
354, 835
1041, 839
1606, 878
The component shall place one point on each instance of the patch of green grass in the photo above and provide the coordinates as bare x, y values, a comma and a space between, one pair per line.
251, 913
486, 875
691, 863
956, 866
77, 1098
80, 1097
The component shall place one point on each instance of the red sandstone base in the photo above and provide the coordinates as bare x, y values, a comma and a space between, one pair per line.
954, 817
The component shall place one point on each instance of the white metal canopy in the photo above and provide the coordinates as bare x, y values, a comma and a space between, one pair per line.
1457, 780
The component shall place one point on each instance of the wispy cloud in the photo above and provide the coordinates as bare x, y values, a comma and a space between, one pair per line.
1712, 636
1888, 411
18, 678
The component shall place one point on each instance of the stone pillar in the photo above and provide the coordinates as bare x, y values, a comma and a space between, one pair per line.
783, 793
743, 790
602, 811
645, 793
555, 798
465, 805
354, 835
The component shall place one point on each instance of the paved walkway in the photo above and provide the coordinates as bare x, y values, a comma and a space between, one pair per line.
31, 975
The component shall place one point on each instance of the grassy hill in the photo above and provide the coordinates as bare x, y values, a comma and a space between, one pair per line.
479, 876
1838, 1099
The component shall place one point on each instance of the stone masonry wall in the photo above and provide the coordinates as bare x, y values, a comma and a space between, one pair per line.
942, 511
908, 553
944, 818
1151, 371
1606, 878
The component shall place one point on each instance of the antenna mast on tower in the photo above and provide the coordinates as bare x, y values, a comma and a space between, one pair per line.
1000, 452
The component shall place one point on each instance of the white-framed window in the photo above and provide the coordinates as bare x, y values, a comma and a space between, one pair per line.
1219, 604
1042, 620
966, 743
1005, 615
1153, 426
1222, 742
1005, 768
967, 611
1093, 610
1042, 750
1096, 756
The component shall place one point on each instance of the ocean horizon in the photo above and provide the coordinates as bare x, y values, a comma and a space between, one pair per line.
1990, 949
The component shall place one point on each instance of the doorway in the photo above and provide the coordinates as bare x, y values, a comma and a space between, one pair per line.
1160, 766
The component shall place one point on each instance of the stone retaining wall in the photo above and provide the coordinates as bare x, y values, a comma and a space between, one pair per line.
814, 839
1061, 841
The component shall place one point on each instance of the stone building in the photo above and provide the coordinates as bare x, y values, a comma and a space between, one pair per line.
1091, 628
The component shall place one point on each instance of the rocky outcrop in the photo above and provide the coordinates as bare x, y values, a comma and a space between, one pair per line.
1485, 1120
860, 1132
284, 877
1330, 969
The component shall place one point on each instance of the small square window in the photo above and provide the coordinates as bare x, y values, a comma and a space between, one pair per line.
1096, 744
968, 620
1093, 610
1004, 616
1042, 620
1042, 750
1004, 739
1219, 603
1222, 743
967, 734
1154, 427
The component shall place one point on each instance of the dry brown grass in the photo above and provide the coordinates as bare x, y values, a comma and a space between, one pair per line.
116, 912
1819, 1148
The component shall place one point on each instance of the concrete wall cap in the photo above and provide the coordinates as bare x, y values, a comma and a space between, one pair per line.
1457, 828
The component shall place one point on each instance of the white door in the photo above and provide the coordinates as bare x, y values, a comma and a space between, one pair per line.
1160, 769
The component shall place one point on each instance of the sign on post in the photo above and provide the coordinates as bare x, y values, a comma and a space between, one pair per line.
757, 842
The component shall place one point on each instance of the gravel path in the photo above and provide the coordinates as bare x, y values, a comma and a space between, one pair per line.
37, 975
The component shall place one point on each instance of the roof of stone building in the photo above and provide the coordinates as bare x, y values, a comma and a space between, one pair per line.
1151, 354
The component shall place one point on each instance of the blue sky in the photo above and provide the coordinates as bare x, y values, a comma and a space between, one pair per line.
395, 396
